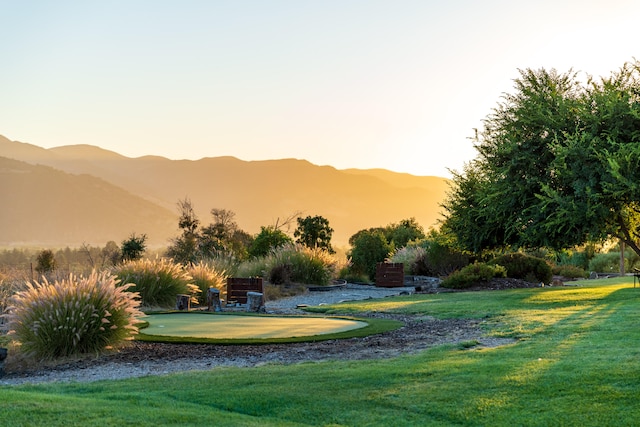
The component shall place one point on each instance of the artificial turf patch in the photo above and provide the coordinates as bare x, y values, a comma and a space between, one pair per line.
241, 328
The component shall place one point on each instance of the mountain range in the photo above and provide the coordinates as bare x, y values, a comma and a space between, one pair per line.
83, 194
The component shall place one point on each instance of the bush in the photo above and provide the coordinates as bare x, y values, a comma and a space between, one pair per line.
440, 258
570, 271
521, 266
610, 262
73, 316
157, 281
45, 262
205, 277
292, 263
369, 248
409, 256
269, 238
473, 274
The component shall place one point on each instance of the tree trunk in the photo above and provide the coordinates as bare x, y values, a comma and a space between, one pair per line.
622, 248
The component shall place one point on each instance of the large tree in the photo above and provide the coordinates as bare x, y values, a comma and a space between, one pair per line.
558, 165
314, 232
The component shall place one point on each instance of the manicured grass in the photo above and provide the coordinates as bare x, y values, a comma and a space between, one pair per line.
576, 363
250, 328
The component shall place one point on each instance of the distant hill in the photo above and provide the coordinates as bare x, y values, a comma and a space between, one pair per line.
259, 192
44, 207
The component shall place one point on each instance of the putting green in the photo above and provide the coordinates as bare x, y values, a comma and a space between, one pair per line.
243, 327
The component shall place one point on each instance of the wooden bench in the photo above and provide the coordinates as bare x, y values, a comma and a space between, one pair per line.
238, 287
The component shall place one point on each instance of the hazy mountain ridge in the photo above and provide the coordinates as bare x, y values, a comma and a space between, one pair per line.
46, 207
259, 192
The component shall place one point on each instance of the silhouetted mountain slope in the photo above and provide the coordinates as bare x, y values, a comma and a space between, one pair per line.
259, 192
46, 207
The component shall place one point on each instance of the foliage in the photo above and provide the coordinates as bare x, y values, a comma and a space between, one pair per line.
157, 281
475, 274
577, 258
369, 248
133, 248
292, 263
205, 276
558, 165
608, 262
442, 254
269, 238
409, 256
8, 287
407, 230
223, 236
314, 232
46, 261
525, 267
570, 271
73, 316
110, 255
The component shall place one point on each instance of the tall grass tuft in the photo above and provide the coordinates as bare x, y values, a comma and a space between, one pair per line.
72, 316
158, 281
293, 263
204, 277
409, 256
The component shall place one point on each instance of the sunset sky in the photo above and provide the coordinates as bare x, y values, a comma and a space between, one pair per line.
395, 84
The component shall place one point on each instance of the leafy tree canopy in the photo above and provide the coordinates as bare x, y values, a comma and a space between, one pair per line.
314, 232
369, 248
133, 247
269, 238
222, 236
558, 165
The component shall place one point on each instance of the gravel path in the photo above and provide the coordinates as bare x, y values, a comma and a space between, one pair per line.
337, 294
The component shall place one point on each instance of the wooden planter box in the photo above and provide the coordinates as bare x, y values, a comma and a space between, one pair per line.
389, 274
237, 288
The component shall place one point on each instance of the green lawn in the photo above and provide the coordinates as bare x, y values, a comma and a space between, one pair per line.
204, 325
576, 362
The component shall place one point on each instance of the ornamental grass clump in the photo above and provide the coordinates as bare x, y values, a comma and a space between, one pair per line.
300, 264
293, 263
204, 277
72, 316
157, 281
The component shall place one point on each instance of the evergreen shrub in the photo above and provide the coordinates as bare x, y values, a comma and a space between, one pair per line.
570, 271
525, 267
474, 274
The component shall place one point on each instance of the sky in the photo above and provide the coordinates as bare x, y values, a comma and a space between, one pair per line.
393, 84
